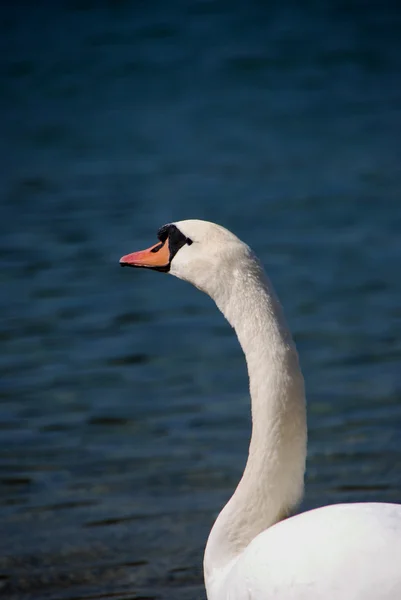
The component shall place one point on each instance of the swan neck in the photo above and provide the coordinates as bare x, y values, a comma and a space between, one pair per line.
272, 482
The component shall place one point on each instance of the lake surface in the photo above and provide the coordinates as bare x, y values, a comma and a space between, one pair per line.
124, 410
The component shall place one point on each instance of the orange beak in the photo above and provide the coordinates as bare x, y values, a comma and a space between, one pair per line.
156, 257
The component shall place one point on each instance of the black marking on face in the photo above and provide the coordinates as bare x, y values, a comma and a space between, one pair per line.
162, 234
176, 240
158, 247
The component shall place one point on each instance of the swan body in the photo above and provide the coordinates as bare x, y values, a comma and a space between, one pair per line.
256, 550
343, 551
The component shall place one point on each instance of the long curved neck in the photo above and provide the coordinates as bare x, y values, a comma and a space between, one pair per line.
272, 483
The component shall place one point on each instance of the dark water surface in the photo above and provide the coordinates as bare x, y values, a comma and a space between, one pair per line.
124, 410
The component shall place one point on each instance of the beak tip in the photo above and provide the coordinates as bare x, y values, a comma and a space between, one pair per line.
124, 262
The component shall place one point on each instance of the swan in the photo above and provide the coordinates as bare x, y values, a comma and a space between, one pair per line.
256, 549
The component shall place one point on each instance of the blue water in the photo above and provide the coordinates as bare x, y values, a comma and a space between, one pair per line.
124, 410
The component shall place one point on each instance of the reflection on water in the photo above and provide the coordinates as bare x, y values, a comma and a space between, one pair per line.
124, 413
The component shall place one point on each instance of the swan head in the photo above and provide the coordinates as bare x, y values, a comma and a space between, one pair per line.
203, 253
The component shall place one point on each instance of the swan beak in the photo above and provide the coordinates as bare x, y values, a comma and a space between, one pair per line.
156, 257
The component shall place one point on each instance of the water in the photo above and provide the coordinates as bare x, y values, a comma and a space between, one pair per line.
124, 411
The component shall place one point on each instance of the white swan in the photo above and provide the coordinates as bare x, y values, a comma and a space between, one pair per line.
338, 552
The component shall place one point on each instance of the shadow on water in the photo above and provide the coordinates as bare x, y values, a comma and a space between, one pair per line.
124, 417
